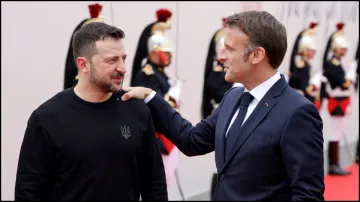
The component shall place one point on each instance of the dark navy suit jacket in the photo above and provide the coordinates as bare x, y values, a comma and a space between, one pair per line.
278, 153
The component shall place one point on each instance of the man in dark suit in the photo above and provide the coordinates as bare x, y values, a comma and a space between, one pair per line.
267, 137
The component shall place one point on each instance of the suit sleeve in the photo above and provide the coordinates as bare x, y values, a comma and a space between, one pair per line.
190, 140
153, 186
302, 151
35, 163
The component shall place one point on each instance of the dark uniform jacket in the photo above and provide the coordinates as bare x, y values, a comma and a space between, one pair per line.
153, 76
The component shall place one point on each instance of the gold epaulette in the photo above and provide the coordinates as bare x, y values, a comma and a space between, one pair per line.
335, 61
148, 70
160, 69
300, 63
218, 68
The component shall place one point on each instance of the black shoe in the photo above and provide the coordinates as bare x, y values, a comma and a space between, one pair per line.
336, 170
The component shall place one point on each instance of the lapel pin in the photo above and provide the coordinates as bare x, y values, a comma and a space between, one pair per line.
266, 104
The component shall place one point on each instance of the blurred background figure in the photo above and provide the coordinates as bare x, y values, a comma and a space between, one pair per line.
338, 90
356, 86
70, 78
301, 66
152, 75
214, 86
163, 19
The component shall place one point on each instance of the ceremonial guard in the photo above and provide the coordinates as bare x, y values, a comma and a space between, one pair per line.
338, 88
300, 76
152, 75
163, 18
214, 86
70, 78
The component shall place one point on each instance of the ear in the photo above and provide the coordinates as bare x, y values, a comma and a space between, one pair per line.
82, 64
258, 55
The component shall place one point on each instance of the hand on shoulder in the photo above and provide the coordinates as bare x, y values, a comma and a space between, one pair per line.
135, 92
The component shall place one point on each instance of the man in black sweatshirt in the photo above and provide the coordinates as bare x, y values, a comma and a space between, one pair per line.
85, 143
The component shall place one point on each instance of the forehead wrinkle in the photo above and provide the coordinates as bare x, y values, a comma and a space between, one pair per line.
109, 49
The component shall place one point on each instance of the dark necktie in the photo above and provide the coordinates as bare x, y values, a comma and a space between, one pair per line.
232, 134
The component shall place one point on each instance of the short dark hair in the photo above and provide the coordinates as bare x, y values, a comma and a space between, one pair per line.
84, 39
263, 30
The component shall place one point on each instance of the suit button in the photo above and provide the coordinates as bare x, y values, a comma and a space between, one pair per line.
221, 177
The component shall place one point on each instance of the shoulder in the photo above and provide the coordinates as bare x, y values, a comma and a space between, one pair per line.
146, 72
54, 102
235, 90
293, 102
232, 94
50, 107
299, 62
136, 106
333, 62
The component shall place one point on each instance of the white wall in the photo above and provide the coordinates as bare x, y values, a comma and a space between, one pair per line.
36, 37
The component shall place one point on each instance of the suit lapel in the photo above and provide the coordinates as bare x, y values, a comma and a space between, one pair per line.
233, 107
262, 109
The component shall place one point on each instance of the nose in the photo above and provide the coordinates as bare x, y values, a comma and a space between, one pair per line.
121, 68
221, 56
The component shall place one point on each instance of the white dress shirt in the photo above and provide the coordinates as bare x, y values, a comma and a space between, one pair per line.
258, 93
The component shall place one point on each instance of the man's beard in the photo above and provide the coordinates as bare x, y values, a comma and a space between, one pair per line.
103, 85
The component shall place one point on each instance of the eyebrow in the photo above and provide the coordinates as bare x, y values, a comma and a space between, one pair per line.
115, 56
229, 47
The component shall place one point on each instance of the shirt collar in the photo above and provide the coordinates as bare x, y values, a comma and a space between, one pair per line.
259, 91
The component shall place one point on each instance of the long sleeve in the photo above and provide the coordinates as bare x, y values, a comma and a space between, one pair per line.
302, 150
35, 163
153, 185
191, 141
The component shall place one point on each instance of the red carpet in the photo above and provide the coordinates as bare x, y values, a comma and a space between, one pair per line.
338, 188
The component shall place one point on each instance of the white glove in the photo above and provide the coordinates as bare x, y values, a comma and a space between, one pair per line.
175, 90
324, 79
316, 79
351, 73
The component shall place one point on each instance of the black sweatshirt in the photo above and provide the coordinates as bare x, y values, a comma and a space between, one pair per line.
77, 150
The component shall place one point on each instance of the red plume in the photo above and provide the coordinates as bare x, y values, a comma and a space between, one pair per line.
339, 26
224, 19
313, 25
162, 15
95, 10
